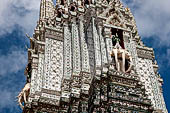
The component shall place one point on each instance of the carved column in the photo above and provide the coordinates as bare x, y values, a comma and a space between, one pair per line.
67, 64
34, 73
76, 61
97, 52
86, 76
109, 44
104, 58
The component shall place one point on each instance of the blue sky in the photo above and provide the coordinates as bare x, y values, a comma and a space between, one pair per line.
18, 17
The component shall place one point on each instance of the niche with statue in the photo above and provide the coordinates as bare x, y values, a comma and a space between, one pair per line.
121, 57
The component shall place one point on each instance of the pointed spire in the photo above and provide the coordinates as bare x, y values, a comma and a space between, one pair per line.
46, 9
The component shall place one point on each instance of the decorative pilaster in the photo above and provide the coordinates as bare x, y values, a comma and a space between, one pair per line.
76, 61
85, 74
90, 45
53, 71
104, 58
46, 9
109, 44
97, 51
67, 64
67, 53
34, 73
40, 73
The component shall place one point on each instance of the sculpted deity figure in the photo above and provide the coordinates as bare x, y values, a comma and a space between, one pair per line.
23, 95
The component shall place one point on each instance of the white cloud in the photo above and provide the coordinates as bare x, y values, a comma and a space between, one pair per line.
152, 18
18, 12
13, 62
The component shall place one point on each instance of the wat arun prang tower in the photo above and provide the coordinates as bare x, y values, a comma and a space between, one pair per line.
86, 57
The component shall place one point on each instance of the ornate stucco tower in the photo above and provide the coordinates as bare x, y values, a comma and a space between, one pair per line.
86, 57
